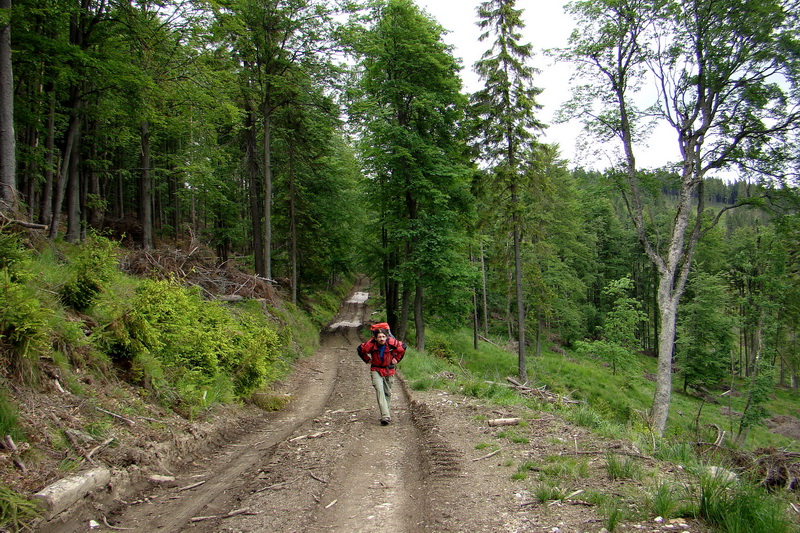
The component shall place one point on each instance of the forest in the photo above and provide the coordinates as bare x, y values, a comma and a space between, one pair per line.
307, 140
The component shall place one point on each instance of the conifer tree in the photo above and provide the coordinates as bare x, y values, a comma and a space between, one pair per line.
505, 113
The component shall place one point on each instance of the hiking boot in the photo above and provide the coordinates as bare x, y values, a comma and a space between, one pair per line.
385, 421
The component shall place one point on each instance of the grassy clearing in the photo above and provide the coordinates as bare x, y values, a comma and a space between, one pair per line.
615, 406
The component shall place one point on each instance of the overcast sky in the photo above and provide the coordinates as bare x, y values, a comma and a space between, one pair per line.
546, 26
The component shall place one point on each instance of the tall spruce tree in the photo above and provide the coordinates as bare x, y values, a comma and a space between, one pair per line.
505, 112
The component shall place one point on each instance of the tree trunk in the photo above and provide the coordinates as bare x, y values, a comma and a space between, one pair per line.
255, 209
668, 303
146, 190
267, 190
523, 370
46, 205
405, 311
485, 297
292, 222
31, 172
419, 322
8, 181
73, 134
74, 197
95, 205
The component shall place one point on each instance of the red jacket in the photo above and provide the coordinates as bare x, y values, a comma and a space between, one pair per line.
370, 352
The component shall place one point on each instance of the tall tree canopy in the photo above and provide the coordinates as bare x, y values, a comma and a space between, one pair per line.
409, 106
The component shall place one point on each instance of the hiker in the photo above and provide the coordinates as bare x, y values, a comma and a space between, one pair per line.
382, 352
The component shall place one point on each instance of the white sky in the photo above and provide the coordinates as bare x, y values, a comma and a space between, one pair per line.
546, 26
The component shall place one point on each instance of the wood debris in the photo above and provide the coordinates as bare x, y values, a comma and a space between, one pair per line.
540, 393
199, 267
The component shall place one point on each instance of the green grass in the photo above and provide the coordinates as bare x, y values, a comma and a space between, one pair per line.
735, 507
616, 407
15, 510
549, 491
613, 405
623, 467
9, 418
565, 467
663, 499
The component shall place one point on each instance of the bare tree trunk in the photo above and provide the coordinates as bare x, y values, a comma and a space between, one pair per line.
522, 364
485, 298
405, 312
73, 134
46, 206
267, 190
94, 205
8, 180
292, 222
73, 197
419, 321
252, 174
146, 190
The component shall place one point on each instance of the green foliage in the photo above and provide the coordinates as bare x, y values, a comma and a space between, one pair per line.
91, 268
676, 451
8, 418
736, 507
585, 416
24, 328
566, 468
623, 467
663, 499
15, 510
23, 321
193, 351
758, 391
549, 491
440, 347
626, 314
614, 512
705, 333
14, 257
615, 355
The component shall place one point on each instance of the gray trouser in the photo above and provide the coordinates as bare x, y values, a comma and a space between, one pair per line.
383, 390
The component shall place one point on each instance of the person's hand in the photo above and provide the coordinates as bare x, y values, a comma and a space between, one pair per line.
394, 361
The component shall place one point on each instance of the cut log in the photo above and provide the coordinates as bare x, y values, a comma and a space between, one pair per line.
504, 422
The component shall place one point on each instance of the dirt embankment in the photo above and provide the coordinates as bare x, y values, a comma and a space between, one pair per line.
326, 464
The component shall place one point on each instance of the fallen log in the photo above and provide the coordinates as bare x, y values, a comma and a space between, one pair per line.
504, 422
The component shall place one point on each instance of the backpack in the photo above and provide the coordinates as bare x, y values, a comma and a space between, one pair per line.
381, 325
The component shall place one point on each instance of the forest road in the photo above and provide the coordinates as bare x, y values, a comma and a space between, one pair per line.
324, 463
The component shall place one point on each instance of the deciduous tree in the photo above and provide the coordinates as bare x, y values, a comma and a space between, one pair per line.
723, 71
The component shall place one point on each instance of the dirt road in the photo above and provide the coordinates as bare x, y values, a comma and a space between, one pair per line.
322, 464
325, 464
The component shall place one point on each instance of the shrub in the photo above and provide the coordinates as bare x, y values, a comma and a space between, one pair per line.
90, 271
439, 347
192, 352
24, 331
